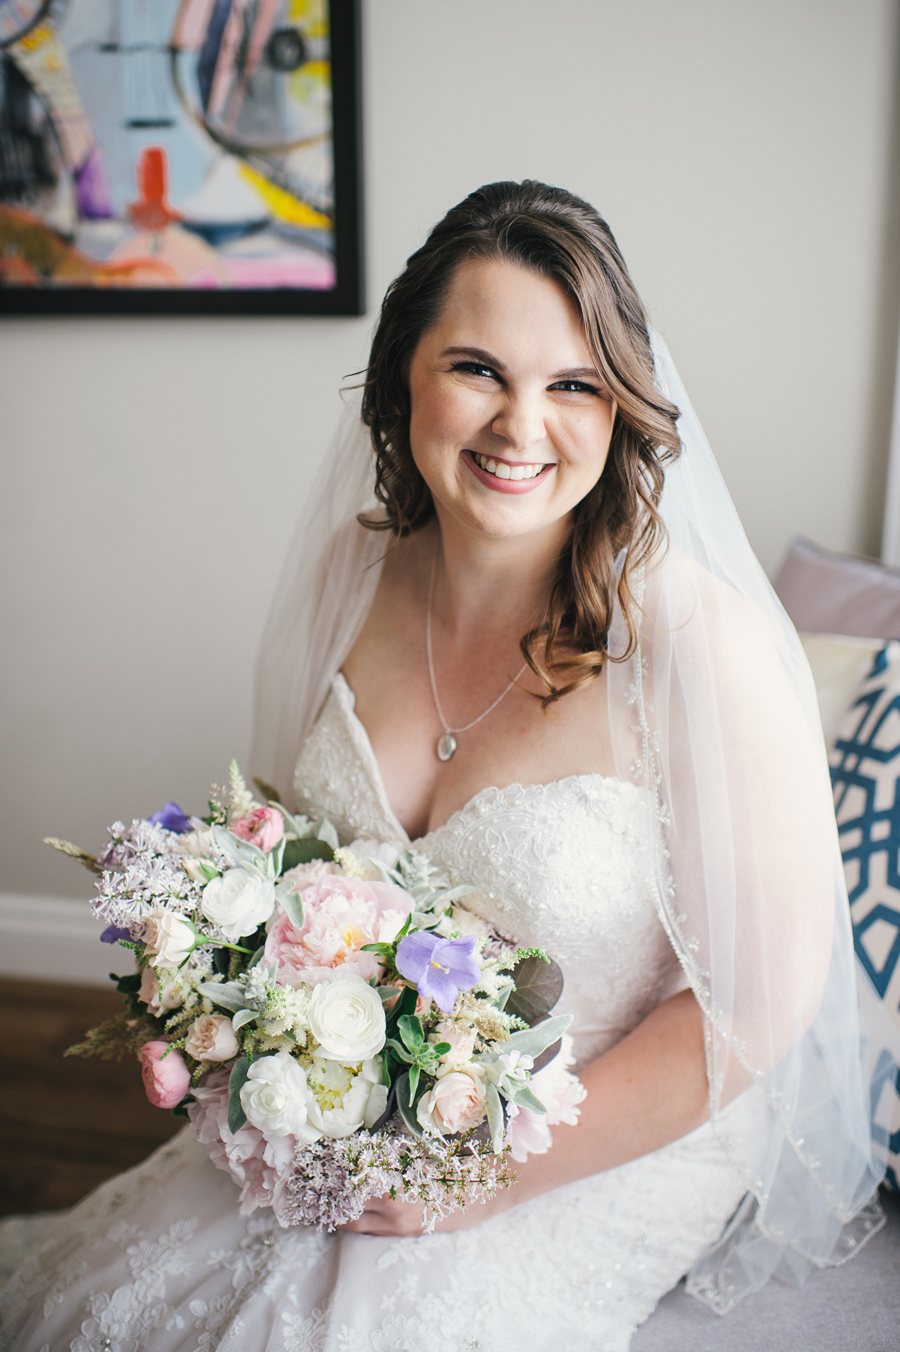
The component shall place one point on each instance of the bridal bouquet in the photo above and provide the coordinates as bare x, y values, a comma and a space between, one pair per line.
335, 1024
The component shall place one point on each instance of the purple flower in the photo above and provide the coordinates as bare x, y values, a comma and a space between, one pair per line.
172, 818
113, 933
440, 968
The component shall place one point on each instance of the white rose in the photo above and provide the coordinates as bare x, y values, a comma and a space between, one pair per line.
157, 996
211, 1039
455, 1102
197, 843
238, 901
346, 1018
169, 938
277, 1099
346, 1097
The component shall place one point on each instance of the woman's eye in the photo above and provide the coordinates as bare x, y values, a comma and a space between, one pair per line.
576, 387
474, 368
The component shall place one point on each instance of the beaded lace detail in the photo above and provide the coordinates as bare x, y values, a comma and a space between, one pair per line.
160, 1259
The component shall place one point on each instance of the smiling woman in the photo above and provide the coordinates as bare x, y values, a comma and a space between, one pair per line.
647, 800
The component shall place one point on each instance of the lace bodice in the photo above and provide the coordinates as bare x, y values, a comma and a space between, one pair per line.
569, 866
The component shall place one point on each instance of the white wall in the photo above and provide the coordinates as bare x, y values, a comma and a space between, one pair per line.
153, 467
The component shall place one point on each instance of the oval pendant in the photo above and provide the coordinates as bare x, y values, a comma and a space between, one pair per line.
446, 746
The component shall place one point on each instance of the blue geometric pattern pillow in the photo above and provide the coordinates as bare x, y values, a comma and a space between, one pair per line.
865, 772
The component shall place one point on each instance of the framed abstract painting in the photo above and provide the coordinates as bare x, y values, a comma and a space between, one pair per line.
180, 157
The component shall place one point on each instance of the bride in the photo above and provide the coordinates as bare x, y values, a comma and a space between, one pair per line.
545, 655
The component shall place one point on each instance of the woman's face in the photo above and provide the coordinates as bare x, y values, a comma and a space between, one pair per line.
510, 424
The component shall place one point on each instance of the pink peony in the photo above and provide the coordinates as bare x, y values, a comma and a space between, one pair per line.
303, 875
264, 827
340, 916
259, 1167
166, 1076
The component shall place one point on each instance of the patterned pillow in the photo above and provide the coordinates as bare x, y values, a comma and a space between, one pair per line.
865, 772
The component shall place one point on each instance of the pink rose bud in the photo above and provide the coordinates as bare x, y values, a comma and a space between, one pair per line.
264, 827
166, 1077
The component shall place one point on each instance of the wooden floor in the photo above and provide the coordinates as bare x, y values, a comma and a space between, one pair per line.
66, 1124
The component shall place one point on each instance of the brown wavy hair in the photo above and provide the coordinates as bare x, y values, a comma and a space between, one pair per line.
559, 236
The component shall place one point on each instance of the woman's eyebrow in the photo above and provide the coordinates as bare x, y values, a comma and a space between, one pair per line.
579, 373
476, 354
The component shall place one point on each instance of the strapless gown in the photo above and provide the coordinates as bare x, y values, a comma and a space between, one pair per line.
159, 1258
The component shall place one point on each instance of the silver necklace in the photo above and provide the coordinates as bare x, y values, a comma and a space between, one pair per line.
447, 744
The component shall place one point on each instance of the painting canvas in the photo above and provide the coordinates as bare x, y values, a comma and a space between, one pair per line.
193, 156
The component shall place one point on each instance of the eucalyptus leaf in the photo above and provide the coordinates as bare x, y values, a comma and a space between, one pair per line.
495, 1118
303, 851
243, 1016
532, 1041
539, 985
405, 1104
236, 1115
226, 994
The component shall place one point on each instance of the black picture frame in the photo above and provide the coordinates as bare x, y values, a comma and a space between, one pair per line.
346, 297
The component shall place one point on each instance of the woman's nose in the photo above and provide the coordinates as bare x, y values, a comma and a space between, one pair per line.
520, 422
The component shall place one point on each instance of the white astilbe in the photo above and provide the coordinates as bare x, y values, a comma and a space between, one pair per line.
240, 800
143, 871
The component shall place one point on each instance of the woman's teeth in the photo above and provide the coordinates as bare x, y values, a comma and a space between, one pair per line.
504, 471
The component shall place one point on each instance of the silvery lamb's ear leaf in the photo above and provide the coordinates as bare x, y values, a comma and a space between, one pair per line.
227, 994
405, 1104
387, 992
325, 831
495, 1118
539, 985
243, 1016
291, 904
526, 1099
239, 851
532, 1041
239, 1072
257, 958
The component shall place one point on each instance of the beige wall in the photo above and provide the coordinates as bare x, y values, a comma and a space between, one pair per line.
152, 468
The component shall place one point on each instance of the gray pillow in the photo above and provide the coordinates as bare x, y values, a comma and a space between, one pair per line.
827, 593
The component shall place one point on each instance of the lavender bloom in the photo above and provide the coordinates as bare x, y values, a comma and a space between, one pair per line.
440, 968
172, 818
113, 933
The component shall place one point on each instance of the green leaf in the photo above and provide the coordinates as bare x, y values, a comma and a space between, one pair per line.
236, 1115
413, 1081
440, 1049
243, 1016
405, 1005
225, 994
387, 992
532, 1041
411, 1031
525, 1098
539, 985
398, 1049
290, 903
303, 851
405, 1104
495, 1118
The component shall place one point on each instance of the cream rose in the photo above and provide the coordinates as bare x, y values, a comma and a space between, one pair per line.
455, 1102
238, 901
277, 1099
211, 1039
168, 938
346, 1018
461, 1038
160, 996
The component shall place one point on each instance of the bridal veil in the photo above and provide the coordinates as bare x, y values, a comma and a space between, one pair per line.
716, 716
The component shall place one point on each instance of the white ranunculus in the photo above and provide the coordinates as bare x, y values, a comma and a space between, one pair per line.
211, 1039
346, 1018
277, 1099
345, 1097
168, 938
238, 901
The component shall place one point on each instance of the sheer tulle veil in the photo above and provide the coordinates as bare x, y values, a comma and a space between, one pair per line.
715, 716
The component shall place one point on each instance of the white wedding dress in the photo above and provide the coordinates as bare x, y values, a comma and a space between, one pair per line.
159, 1258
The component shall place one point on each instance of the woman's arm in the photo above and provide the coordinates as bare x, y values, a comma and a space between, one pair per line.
648, 1090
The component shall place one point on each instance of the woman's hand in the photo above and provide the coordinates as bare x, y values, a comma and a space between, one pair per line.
388, 1216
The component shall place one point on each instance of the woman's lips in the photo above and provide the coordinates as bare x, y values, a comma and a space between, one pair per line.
504, 485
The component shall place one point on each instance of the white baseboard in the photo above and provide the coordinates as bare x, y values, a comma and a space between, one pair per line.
55, 939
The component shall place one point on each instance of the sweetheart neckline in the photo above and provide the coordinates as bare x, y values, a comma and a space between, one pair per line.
348, 704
